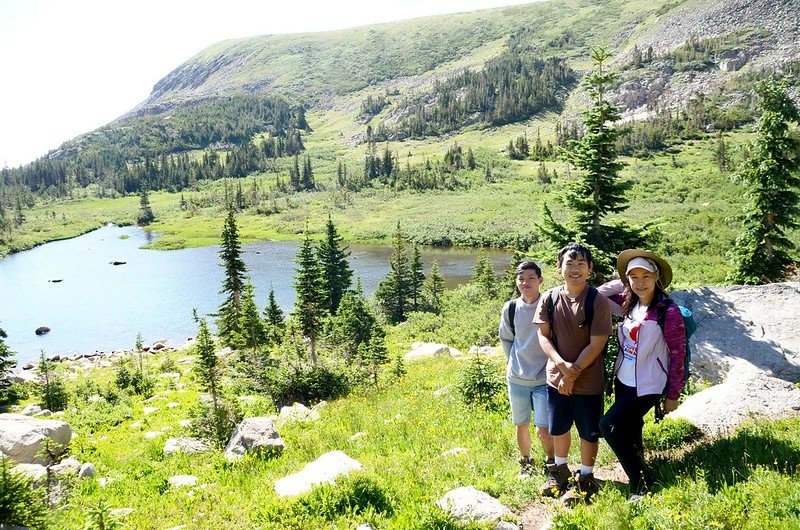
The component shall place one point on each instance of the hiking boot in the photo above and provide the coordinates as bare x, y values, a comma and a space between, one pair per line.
582, 489
525, 466
557, 478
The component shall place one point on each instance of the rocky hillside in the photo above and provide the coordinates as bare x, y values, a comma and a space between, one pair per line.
400, 57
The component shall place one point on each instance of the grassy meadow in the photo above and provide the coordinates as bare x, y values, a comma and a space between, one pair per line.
400, 432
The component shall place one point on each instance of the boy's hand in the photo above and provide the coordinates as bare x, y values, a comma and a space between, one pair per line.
565, 387
570, 371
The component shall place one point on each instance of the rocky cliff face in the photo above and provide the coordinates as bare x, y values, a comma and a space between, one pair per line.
774, 42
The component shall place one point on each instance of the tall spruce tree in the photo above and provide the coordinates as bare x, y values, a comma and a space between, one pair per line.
207, 367
275, 321
772, 173
510, 280
416, 280
336, 272
374, 354
483, 276
309, 310
393, 291
433, 289
253, 332
599, 191
229, 315
6, 364
146, 215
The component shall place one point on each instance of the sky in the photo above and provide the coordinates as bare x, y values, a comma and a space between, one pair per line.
70, 66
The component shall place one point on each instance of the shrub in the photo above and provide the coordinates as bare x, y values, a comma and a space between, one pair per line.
168, 365
99, 518
52, 392
308, 384
215, 423
669, 434
133, 378
481, 384
357, 494
20, 504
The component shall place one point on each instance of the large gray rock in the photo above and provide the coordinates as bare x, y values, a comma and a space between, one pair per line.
297, 412
185, 445
27, 376
745, 394
257, 435
325, 469
32, 410
469, 504
180, 481
37, 472
421, 350
21, 437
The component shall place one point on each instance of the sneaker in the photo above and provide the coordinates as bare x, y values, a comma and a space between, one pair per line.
525, 466
583, 487
634, 498
557, 479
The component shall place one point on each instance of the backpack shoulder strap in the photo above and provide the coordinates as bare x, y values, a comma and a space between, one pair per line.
661, 313
512, 309
588, 309
552, 300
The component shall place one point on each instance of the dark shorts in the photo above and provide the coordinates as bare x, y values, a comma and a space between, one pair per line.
584, 411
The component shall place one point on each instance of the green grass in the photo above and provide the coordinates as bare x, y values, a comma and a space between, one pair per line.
744, 480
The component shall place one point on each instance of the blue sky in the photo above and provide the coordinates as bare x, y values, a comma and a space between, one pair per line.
70, 66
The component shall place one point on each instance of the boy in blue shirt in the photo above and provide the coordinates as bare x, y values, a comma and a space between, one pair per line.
526, 362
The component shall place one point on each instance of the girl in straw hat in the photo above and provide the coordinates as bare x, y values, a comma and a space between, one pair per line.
650, 362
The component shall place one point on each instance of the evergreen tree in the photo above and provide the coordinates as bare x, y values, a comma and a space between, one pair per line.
471, 163
52, 392
416, 280
433, 290
217, 421
772, 172
309, 304
336, 272
308, 175
229, 315
145, 211
510, 280
599, 191
294, 175
374, 354
274, 319
722, 154
207, 367
253, 332
6, 364
353, 326
483, 276
393, 291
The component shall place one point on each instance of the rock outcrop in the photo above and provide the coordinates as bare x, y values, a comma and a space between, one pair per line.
469, 504
22, 438
325, 469
254, 435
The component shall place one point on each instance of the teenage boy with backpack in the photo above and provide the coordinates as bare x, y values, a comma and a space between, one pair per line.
526, 362
573, 327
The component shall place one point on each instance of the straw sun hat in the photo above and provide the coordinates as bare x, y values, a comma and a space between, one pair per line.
626, 256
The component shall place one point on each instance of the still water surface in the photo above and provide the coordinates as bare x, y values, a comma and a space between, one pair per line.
100, 306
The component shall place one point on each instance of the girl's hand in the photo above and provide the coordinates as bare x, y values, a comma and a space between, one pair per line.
670, 405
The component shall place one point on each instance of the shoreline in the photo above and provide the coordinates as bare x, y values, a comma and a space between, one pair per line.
96, 359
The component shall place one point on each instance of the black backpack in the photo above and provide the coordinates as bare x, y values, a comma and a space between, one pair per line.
512, 308
588, 307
